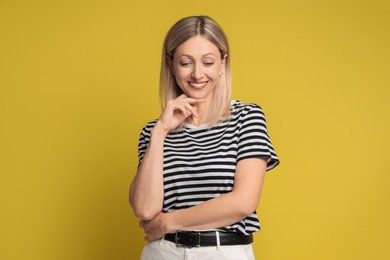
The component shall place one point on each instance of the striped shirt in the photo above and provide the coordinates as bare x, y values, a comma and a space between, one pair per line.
200, 162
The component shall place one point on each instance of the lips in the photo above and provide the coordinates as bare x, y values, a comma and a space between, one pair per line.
198, 85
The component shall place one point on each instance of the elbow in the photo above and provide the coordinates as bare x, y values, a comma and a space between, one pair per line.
143, 210
246, 202
246, 208
144, 213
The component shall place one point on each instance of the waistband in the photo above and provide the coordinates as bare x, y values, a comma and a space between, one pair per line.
210, 238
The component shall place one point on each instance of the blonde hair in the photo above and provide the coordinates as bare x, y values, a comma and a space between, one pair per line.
180, 32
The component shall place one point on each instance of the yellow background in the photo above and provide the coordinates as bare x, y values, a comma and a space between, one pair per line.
79, 80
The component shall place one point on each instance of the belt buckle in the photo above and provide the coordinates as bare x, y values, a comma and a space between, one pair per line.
197, 241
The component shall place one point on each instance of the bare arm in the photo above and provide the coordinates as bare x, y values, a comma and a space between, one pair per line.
147, 189
224, 210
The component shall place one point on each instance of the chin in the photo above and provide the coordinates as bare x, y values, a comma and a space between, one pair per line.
198, 94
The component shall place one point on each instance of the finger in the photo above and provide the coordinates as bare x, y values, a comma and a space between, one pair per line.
191, 109
174, 105
154, 237
141, 224
184, 97
182, 108
149, 238
192, 100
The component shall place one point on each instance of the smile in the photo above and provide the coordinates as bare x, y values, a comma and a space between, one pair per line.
198, 85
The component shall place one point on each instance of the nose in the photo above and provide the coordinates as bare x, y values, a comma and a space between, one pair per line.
197, 72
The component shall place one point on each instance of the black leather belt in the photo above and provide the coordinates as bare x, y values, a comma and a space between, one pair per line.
198, 239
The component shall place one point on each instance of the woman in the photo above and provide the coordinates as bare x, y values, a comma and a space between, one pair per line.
202, 163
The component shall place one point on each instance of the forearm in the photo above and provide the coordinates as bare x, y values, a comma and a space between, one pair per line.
228, 208
222, 211
225, 210
147, 188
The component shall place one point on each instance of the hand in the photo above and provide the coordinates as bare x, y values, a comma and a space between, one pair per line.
155, 228
177, 110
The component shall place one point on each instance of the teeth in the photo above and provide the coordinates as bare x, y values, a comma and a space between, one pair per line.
197, 84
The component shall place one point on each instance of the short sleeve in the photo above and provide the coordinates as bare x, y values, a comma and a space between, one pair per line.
254, 140
143, 141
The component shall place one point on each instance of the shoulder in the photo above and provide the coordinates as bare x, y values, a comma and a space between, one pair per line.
147, 128
241, 109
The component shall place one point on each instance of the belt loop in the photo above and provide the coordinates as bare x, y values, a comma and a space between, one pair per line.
197, 239
176, 234
218, 241
162, 240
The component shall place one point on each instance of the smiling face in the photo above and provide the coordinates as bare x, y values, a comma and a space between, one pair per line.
197, 66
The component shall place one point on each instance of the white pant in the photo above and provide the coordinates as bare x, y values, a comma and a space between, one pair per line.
166, 250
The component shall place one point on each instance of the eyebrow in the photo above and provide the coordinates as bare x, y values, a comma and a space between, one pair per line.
187, 55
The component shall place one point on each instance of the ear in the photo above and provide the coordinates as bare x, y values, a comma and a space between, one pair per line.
224, 57
223, 68
170, 64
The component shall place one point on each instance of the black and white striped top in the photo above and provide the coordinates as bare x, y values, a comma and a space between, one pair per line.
199, 163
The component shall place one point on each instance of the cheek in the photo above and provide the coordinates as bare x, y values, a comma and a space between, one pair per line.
215, 74
182, 74
180, 79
